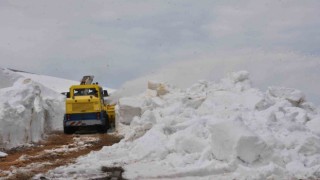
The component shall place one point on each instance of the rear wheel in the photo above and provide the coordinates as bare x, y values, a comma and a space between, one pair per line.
104, 128
69, 130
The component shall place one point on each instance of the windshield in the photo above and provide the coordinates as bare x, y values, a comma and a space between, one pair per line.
85, 92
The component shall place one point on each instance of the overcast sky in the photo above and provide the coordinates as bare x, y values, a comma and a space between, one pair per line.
278, 41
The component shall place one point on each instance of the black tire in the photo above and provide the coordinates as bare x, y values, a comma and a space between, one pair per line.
104, 128
107, 122
68, 130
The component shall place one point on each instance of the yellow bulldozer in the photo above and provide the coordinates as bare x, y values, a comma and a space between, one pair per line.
86, 107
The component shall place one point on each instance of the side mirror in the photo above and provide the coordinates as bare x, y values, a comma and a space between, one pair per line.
68, 94
105, 93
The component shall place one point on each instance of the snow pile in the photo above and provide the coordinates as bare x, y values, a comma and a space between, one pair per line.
225, 130
28, 110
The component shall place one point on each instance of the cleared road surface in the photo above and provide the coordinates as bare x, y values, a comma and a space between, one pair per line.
59, 149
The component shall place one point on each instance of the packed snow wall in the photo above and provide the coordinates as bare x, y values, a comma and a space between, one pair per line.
225, 130
28, 110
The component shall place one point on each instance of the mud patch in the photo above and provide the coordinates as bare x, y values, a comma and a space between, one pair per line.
58, 150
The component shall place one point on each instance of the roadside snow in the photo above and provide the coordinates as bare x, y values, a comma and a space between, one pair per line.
225, 130
28, 110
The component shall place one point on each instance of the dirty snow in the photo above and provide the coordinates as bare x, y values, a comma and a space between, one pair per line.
225, 130
49, 157
28, 110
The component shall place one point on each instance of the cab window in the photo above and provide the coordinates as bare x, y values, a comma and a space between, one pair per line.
85, 92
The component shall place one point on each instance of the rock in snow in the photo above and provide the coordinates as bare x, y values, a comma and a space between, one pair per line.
225, 130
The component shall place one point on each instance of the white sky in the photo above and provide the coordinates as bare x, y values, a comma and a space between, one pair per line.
278, 41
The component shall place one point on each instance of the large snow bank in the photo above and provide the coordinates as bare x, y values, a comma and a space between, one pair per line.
56, 84
225, 130
28, 110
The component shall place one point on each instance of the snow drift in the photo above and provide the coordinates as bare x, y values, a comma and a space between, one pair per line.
225, 130
28, 110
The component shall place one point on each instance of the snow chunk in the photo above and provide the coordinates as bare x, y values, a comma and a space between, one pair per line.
310, 147
2, 154
237, 81
314, 125
230, 140
161, 88
127, 109
240, 76
294, 96
139, 126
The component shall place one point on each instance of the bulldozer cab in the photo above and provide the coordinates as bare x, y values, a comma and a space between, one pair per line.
86, 88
